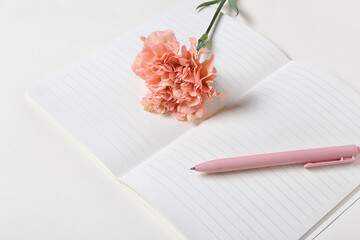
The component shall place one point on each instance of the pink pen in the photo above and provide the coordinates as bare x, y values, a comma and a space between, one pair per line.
315, 157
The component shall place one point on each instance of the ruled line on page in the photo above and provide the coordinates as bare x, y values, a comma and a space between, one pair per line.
298, 184
347, 106
104, 91
259, 148
331, 84
107, 131
85, 120
115, 126
203, 185
282, 202
245, 184
219, 210
325, 97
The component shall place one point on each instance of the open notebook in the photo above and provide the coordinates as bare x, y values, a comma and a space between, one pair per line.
273, 104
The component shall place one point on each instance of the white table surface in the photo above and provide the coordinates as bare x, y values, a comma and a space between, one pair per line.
49, 188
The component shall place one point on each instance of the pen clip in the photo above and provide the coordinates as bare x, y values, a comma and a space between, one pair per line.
330, 162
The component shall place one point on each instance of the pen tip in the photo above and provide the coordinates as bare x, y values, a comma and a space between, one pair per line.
193, 168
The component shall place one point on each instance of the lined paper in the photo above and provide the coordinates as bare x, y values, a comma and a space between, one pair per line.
98, 98
298, 107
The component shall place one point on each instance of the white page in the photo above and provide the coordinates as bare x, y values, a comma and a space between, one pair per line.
298, 107
98, 98
333, 215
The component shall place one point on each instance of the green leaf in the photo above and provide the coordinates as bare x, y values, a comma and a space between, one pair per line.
205, 4
234, 7
201, 42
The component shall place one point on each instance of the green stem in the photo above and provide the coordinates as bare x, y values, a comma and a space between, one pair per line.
202, 40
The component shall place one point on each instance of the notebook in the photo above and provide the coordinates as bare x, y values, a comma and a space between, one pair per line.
273, 104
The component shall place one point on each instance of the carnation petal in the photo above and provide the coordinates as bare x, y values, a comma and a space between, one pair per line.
178, 83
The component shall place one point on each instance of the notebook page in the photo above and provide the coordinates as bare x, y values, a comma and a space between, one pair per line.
298, 107
98, 98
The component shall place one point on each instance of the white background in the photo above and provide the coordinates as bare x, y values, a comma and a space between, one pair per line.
49, 188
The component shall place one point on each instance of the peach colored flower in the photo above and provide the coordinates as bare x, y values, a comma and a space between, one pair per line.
178, 83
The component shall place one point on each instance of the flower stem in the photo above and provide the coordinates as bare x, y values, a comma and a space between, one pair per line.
202, 40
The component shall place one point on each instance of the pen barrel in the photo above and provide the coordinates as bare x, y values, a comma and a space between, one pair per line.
279, 158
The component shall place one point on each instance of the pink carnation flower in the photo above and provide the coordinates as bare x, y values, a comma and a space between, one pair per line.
178, 83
